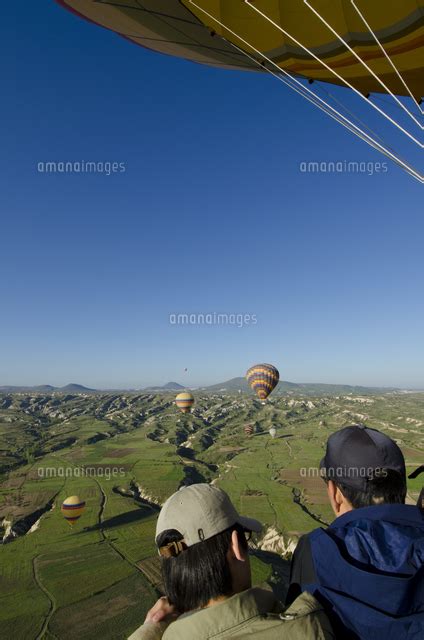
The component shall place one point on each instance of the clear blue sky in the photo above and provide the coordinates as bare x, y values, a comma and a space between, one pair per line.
211, 215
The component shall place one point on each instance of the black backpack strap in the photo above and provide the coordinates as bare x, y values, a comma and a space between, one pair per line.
420, 502
415, 474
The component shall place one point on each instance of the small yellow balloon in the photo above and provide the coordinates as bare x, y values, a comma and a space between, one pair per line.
72, 509
184, 401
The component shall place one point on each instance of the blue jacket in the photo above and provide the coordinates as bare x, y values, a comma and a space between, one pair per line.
367, 569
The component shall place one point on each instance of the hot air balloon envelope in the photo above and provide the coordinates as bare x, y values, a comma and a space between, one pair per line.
184, 401
263, 378
366, 47
221, 32
72, 509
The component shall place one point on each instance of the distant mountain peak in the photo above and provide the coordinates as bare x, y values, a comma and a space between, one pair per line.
73, 387
169, 386
173, 385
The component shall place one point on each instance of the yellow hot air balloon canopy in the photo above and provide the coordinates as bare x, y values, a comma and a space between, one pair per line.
368, 47
72, 509
184, 401
206, 30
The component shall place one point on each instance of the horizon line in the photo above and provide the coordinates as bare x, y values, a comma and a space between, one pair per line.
205, 386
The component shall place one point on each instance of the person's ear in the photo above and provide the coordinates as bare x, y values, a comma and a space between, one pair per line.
341, 501
338, 502
237, 550
335, 496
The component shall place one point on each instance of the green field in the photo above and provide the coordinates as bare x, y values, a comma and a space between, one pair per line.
124, 454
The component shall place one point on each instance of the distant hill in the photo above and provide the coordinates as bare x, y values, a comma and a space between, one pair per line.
48, 388
44, 388
296, 388
169, 386
75, 388
173, 385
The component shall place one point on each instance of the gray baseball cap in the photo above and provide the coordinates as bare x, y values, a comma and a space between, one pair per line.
199, 512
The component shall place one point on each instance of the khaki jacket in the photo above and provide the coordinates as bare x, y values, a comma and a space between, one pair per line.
254, 613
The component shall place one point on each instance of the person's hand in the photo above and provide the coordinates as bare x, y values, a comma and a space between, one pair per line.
162, 611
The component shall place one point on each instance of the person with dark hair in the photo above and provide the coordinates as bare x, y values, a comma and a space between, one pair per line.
203, 542
367, 567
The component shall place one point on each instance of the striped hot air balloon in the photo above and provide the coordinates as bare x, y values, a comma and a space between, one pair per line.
249, 429
263, 378
72, 509
184, 401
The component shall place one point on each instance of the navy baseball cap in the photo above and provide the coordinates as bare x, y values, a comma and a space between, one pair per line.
358, 454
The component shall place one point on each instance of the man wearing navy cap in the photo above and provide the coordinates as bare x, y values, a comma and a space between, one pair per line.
367, 567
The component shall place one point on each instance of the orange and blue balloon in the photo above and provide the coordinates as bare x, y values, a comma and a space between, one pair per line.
263, 378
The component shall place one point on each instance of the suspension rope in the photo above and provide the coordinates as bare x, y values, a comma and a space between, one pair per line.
350, 113
342, 106
380, 98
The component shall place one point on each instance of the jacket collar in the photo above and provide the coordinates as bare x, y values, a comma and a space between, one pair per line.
400, 513
205, 623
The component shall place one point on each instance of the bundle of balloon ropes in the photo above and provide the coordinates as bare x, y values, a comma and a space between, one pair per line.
375, 50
